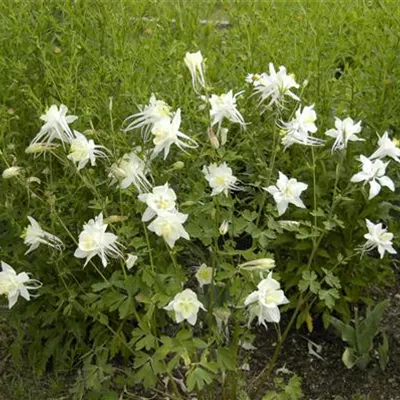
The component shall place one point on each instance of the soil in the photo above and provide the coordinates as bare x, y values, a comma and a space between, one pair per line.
329, 379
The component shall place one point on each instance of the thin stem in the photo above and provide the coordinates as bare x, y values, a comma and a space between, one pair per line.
148, 246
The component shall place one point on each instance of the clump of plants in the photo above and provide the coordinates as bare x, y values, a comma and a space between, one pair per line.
152, 263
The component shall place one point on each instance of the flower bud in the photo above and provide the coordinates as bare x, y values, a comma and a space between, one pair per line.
213, 139
223, 229
224, 135
261, 264
11, 172
178, 165
130, 261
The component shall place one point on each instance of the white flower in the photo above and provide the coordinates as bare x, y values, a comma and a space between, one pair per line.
82, 151
94, 240
169, 226
387, 148
261, 264
204, 275
346, 130
163, 198
12, 172
254, 79
56, 126
130, 261
154, 112
220, 178
298, 129
276, 85
267, 299
223, 229
378, 237
195, 63
131, 170
224, 106
374, 173
34, 235
166, 133
186, 306
13, 285
287, 191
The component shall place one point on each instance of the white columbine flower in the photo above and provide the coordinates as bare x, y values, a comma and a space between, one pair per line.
186, 306
34, 235
163, 198
166, 132
131, 170
12, 172
387, 148
82, 151
254, 79
169, 226
346, 130
224, 106
220, 178
149, 115
264, 302
276, 85
287, 191
94, 240
130, 261
13, 285
298, 129
204, 275
380, 238
56, 125
373, 172
195, 63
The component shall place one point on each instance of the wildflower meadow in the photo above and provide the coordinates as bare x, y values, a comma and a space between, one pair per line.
198, 199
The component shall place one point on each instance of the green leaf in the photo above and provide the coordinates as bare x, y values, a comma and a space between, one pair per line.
198, 378
349, 358
126, 308
309, 281
226, 360
346, 332
329, 297
146, 376
383, 352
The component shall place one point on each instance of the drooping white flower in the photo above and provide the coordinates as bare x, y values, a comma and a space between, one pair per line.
260, 264
387, 148
220, 178
13, 285
162, 198
299, 128
34, 235
287, 191
169, 225
204, 275
186, 306
94, 240
195, 63
130, 261
346, 130
56, 125
373, 172
131, 170
83, 150
12, 172
224, 106
378, 237
264, 302
149, 115
276, 85
166, 132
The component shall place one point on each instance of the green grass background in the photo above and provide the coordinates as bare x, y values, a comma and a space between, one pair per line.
81, 53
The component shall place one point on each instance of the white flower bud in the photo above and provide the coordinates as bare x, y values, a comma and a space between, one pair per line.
223, 229
12, 172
